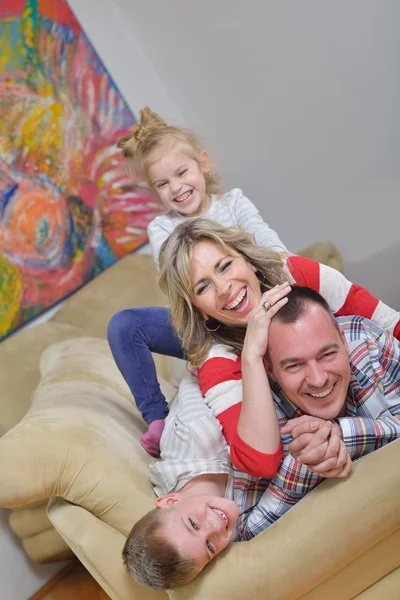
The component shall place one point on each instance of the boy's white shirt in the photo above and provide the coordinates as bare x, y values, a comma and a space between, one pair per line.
192, 443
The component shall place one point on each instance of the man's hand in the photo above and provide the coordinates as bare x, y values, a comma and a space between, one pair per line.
318, 444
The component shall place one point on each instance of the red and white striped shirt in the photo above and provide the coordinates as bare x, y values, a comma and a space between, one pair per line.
220, 376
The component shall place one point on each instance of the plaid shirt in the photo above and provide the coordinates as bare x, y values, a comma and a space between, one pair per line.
372, 420
192, 443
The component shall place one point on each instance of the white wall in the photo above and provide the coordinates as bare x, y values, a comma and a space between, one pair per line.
139, 83
299, 100
124, 57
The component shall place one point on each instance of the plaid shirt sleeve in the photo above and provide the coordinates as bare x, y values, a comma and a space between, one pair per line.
292, 482
379, 360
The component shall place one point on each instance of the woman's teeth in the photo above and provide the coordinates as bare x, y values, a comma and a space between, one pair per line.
239, 298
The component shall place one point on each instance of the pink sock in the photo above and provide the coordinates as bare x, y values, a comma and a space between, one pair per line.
151, 439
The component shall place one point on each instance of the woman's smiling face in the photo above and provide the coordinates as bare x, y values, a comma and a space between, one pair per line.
225, 286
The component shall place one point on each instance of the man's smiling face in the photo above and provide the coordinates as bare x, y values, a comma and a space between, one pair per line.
310, 362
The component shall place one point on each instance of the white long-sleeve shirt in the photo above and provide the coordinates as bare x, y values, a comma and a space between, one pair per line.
232, 208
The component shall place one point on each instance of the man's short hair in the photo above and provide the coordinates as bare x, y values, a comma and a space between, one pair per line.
152, 560
299, 298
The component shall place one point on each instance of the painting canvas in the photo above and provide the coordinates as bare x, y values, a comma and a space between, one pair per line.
68, 209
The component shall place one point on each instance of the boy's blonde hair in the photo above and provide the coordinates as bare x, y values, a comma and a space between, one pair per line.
151, 134
175, 281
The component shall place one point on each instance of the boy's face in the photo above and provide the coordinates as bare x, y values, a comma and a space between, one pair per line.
200, 526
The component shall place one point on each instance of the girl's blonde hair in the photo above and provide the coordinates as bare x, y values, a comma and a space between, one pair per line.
175, 281
153, 133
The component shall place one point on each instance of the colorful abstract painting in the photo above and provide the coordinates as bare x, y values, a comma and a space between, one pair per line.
68, 210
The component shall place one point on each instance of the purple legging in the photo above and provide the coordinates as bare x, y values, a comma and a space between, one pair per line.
133, 334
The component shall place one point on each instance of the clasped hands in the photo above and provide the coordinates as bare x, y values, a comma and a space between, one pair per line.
319, 445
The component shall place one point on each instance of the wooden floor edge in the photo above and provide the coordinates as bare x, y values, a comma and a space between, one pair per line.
50, 585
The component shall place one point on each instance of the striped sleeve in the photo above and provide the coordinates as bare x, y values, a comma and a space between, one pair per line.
344, 298
192, 443
249, 219
220, 380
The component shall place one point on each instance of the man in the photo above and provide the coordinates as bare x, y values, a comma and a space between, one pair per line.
336, 387
353, 380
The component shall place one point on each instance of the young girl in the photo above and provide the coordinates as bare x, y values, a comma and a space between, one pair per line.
175, 165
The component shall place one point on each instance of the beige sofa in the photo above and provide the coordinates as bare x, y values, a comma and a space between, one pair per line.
78, 445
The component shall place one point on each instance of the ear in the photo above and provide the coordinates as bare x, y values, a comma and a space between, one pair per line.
204, 315
168, 500
268, 368
343, 337
205, 162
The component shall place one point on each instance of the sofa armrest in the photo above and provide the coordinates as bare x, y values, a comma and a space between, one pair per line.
388, 588
98, 546
329, 528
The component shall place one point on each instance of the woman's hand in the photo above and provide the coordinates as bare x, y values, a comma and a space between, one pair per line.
256, 340
258, 424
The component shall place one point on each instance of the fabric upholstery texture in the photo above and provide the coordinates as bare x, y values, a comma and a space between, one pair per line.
83, 433
39, 539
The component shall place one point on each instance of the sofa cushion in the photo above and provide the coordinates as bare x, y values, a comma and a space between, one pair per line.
325, 253
19, 360
80, 438
132, 281
29, 520
39, 539
46, 546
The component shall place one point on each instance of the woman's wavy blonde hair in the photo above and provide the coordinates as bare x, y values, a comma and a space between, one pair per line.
152, 133
175, 281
